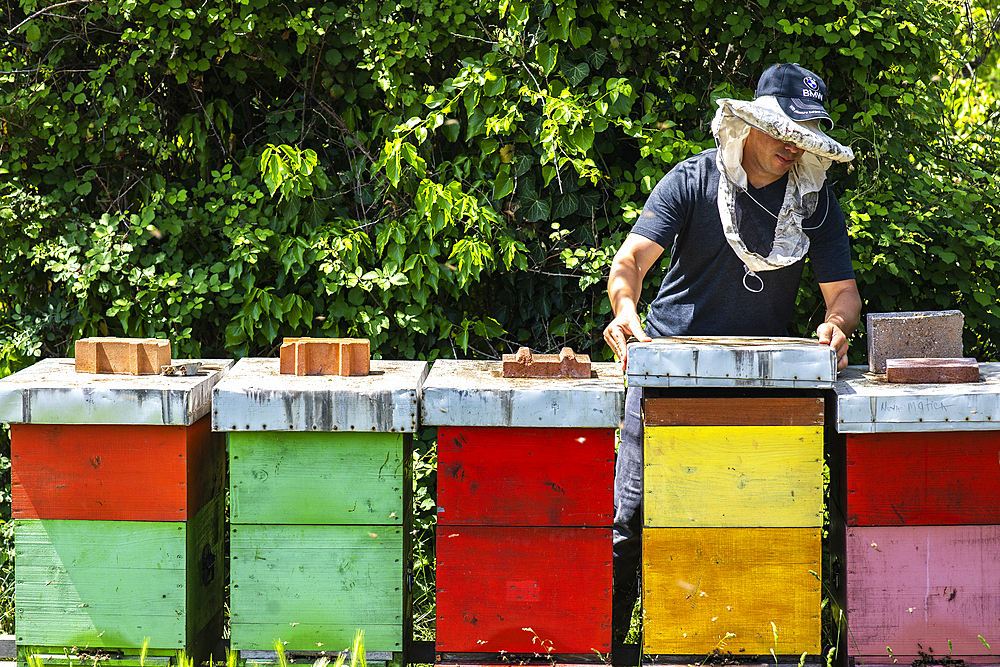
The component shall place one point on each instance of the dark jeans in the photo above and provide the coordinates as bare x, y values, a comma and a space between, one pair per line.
628, 516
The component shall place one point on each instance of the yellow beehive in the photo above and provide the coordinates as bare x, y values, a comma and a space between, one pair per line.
733, 508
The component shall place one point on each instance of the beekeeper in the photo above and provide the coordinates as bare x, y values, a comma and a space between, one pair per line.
738, 220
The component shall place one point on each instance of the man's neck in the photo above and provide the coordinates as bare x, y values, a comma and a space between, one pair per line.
760, 179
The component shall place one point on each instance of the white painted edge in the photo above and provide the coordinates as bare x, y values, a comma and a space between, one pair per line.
471, 393
51, 392
865, 406
254, 397
680, 381
914, 427
714, 361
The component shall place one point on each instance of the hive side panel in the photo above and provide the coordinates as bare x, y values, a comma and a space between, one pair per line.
522, 589
701, 583
100, 583
99, 472
921, 587
206, 578
733, 476
309, 584
206, 465
736, 411
317, 478
933, 479
525, 476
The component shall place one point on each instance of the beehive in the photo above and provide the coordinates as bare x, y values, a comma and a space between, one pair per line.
320, 493
117, 485
733, 494
923, 514
525, 482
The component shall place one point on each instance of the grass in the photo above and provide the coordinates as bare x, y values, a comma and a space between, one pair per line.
353, 657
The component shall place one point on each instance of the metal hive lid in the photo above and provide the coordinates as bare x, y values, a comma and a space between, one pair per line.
727, 361
866, 403
474, 393
255, 396
52, 392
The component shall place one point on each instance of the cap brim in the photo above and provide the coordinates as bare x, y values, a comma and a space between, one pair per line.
801, 109
766, 115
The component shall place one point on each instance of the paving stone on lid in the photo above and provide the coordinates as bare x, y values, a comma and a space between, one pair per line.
565, 364
918, 334
325, 356
123, 356
53, 392
256, 396
930, 371
728, 361
867, 403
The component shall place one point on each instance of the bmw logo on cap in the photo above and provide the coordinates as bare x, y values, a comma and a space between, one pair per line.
811, 82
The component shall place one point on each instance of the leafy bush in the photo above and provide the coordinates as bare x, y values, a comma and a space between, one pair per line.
442, 180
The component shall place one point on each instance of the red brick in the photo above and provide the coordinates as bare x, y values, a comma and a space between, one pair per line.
923, 370
565, 364
325, 356
123, 356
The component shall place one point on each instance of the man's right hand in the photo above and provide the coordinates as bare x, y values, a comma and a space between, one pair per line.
629, 266
625, 325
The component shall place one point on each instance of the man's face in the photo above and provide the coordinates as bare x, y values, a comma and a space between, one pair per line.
766, 159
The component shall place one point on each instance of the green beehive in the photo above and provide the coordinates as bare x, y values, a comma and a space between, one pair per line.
118, 495
320, 494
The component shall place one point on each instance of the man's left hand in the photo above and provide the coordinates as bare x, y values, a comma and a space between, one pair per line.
830, 334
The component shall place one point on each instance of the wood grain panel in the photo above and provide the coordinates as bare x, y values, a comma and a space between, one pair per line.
922, 586
733, 476
206, 579
523, 589
206, 465
309, 584
100, 583
930, 479
736, 411
318, 478
120, 472
525, 476
701, 583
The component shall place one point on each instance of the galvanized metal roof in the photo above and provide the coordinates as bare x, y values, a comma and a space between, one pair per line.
52, 392
474, 393
254, 396
724, 361
866, 403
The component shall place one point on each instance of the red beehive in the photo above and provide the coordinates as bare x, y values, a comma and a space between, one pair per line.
525, 479
924, 516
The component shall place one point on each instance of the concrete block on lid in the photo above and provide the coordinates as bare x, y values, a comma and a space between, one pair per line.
908, 335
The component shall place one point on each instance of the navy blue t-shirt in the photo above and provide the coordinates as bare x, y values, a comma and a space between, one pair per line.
703, 292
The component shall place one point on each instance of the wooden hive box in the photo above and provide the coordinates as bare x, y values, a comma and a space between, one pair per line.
117, 490
320, 493
525, 482
924, 515
734, 446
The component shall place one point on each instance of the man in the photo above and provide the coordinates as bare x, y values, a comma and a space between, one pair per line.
739, 221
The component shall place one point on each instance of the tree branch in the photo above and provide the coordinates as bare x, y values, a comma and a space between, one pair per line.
48, 9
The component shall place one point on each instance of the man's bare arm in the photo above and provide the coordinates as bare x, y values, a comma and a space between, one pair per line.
843, 312
628, 269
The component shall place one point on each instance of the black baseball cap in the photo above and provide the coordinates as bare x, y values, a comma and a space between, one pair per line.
800, 93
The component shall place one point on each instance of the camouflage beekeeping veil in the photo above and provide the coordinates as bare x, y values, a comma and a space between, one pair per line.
797, 93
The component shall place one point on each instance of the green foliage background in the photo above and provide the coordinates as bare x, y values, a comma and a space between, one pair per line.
450, 180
